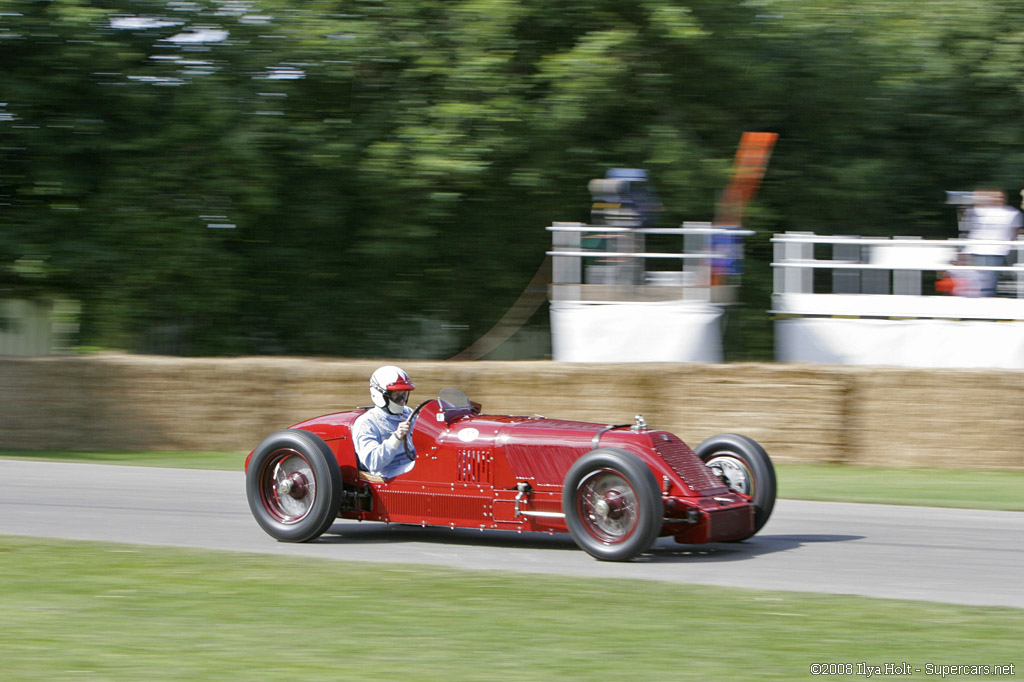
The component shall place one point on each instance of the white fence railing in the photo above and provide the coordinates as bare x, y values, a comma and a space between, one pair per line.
599, 264
895, 277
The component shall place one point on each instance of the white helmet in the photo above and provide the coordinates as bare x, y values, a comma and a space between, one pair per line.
389, 388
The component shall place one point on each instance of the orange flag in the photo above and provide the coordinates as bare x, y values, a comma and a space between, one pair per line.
747, 172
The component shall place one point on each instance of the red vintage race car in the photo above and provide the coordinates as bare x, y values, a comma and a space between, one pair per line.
614, 488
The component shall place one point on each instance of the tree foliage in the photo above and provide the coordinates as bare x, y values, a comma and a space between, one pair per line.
372, 177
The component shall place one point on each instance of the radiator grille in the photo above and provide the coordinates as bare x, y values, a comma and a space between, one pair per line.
730, 524
689, 467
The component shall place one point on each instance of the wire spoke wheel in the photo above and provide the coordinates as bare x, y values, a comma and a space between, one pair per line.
293, 486
287, 486
612, 504
608, 506
733, 471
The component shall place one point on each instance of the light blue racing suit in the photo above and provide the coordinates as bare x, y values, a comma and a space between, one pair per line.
380, 452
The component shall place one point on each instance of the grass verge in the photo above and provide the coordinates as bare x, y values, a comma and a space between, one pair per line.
226, 461
86, 611
968, 489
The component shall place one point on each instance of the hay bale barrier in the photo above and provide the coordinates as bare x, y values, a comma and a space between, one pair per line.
801, 413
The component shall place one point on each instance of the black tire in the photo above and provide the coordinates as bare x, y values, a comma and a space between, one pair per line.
745, 467
293, 486
612, 504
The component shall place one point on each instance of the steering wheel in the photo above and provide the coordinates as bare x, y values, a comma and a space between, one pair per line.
407, 441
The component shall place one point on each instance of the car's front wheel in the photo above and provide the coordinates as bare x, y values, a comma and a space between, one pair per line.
293, 485
612, 505
745, 467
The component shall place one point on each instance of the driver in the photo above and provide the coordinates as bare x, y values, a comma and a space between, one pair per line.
379, 433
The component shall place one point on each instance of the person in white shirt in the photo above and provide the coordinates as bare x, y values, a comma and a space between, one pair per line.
379, 434
990, 219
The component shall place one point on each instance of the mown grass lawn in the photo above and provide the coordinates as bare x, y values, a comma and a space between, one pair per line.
94, 611
968, 489
226, 461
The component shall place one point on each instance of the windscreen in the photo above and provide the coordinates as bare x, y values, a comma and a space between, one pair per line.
453, 398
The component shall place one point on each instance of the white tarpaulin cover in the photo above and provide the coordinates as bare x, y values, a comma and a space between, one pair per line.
903, 343
674, 331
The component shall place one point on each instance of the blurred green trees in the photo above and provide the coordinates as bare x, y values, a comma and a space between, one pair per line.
372, 177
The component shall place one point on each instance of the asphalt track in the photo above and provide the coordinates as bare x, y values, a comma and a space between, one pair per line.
919, 553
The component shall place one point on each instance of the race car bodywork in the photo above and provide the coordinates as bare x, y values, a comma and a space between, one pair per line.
614, 488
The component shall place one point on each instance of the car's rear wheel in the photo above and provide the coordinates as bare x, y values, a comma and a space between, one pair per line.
293, 485
612, 505
745, 467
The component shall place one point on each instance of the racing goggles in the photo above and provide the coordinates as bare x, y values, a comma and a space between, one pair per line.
400, 397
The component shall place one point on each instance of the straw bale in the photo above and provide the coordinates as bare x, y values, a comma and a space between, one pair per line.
862, 416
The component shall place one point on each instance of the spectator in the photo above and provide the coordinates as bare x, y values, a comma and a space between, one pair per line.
990, 219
